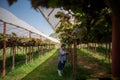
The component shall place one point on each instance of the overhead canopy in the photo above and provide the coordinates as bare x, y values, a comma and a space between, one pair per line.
49, 14
8, 17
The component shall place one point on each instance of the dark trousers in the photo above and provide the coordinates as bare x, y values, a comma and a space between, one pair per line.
61, 65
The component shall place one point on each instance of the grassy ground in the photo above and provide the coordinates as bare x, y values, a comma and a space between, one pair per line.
23, 70
20, 58
95, 64
88, 68
45, 68
48, 71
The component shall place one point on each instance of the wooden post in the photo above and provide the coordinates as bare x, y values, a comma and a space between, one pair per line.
75, 58
26, 56
41, 46
13, 58
30, 47
116, 46
74, 53
4, 52
109, 52
95, 48
68, 57
41, 49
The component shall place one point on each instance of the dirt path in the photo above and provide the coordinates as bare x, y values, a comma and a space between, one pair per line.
88, 63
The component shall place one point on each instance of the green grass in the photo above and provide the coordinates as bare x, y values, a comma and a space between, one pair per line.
48, 71
20, 58
45, 68
97, 55
96, 58
24, 70
101, 50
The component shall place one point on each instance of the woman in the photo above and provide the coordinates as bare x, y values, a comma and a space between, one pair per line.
61, 59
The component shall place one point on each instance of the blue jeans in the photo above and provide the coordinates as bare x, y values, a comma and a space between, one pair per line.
61, 65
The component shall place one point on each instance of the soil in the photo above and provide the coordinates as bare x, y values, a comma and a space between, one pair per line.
97, 70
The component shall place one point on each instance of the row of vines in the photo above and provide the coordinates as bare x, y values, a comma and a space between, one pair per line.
16, 50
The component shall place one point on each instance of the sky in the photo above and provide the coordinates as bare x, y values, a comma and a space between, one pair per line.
23, 10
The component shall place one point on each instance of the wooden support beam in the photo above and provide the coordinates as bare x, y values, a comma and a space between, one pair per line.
4, 52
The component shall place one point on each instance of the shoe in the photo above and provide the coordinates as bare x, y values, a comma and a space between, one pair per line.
59, 73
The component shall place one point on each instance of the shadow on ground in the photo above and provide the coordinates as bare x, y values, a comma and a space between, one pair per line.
48, 71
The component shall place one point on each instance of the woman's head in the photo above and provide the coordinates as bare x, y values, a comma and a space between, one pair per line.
63, 46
